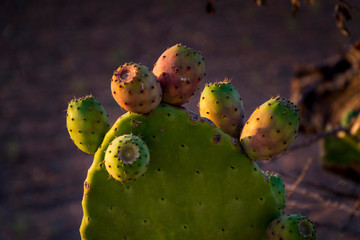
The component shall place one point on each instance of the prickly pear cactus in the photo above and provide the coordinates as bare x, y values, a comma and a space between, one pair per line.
172, 174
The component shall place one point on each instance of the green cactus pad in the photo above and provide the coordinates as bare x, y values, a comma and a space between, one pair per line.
87, 123
199, 185
341, 154
221, 103
270, 129
291, 227
127, 158
278, 188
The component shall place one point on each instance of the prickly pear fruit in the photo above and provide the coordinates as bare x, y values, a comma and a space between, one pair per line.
127, 158
270, 129
291, 227
87, 123
179, 70
135, 88
221, 103
278, 188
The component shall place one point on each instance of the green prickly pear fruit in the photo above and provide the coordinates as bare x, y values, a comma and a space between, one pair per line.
127, 158
270, 129
179, 70
221, 103
87, 123
135, 88
291, 227
278, 188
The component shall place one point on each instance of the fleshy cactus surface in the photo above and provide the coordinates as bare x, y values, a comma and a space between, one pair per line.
127, 158
221, 103
291, 227
87, 123
199, 185
278, 188
270, 129
135, 88
179, 70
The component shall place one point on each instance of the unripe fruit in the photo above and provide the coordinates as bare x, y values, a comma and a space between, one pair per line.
87, 123
127, 158
222, 104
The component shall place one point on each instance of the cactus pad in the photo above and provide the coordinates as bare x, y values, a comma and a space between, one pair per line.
221, 103
199, 185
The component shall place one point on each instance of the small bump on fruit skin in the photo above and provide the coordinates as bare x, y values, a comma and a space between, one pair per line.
179, 70
135, 88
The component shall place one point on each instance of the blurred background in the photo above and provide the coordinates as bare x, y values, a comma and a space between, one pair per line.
53, 51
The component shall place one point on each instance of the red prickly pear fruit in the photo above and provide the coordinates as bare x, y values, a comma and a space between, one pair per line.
179, 70
222, 104
291, 227
270, 129
135, 88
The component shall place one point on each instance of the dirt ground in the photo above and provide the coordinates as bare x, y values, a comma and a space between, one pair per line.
51, 51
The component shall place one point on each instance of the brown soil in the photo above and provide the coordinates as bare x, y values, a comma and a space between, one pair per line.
52, 51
